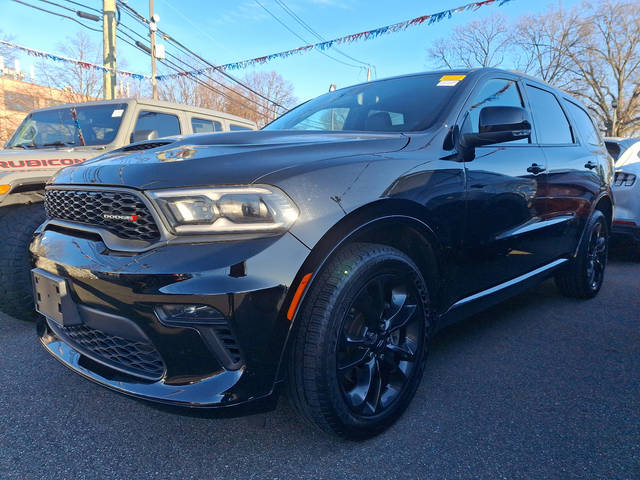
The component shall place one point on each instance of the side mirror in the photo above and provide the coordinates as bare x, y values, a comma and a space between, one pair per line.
497, 125
142, 135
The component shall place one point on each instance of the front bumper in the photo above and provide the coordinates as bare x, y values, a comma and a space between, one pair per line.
122, 344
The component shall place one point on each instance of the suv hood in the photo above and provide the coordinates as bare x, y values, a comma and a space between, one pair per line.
225, 158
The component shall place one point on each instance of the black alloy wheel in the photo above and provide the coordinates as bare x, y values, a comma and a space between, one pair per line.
596, 256
379, 342
360, 341
583, 276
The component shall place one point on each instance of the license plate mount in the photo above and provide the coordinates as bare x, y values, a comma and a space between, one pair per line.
52, 299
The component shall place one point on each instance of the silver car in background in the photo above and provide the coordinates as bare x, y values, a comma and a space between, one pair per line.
626, 189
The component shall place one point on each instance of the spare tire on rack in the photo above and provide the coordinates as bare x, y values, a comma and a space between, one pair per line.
17, 224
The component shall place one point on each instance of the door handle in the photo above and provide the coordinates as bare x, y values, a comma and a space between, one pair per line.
590, 165
535, 169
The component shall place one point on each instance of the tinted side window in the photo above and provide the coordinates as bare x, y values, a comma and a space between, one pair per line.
583, 123
234, 127
550, 121
202, 125
497, 92
163, 123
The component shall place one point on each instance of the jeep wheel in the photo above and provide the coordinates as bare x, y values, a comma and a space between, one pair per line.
359, 351
17, 225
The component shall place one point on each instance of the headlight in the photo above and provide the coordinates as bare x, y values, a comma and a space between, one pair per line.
241, 209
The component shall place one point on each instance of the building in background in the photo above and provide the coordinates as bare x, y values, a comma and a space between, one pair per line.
19, 95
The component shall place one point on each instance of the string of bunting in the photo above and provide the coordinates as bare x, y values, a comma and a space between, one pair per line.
367, 35
58, 58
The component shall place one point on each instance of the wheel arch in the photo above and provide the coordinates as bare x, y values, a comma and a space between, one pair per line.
401, 224
605, 205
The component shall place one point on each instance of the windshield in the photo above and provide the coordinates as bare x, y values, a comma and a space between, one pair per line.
69, 126
395, 105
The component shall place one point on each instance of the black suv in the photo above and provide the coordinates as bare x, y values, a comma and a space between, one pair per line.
322, 252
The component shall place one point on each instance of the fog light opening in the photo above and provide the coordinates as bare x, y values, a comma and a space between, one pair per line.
180, 315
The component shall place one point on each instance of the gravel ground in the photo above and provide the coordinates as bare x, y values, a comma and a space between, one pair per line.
539, 387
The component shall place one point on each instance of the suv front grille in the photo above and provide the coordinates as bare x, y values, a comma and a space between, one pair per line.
121, 213
135, 357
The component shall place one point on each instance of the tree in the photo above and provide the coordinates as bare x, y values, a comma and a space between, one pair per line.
230, 97
605, 66
481, 43
7, 54
79, 84
591, 52
253, 107
543, 40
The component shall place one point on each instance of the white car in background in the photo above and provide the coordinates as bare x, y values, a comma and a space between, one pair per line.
626, 188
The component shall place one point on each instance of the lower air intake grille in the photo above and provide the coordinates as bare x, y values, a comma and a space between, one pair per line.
134, 357
229, 342
122, 213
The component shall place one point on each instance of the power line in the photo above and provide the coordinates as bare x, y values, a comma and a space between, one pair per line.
190, 66
314, 32
57, 14
171, 65
302, 38
187, 50
177, 69
84, 6
58, 5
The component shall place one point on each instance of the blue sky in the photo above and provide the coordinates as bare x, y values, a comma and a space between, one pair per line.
225, 31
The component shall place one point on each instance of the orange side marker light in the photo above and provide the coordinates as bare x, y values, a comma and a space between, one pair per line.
298, 295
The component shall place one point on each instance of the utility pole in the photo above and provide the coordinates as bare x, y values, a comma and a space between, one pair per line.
109, 48
368, 74
152, 30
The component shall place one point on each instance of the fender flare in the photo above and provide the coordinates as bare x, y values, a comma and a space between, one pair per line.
345, 229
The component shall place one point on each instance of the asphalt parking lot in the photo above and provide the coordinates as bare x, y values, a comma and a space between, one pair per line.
539, 387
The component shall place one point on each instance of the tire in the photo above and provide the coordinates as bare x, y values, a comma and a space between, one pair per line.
583, 276
353, 366
17, 225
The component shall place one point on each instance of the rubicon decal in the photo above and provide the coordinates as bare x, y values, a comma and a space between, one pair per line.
52, 162
130, 218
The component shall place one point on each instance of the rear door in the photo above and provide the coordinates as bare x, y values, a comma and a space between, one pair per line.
574, 169
504, 203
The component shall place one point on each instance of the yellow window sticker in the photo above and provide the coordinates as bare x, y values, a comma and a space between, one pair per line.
450, 80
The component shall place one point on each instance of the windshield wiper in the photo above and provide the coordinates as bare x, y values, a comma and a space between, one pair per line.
58, 143
23, 145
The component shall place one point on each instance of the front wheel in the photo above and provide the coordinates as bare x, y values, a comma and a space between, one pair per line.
17, 225
583, 276
359, 351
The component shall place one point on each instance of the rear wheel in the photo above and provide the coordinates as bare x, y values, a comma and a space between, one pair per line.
17, 225
359, 351
584, 275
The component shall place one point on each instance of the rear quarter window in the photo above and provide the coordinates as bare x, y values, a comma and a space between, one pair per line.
584, 124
